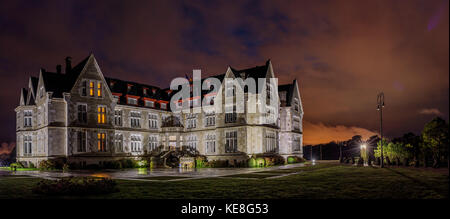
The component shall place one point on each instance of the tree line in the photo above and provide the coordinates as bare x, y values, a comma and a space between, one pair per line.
428, 149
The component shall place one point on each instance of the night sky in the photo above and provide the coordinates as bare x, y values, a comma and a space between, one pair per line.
342, 52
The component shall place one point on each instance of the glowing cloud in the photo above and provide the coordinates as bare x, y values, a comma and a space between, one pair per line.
6, 148
320, 133
431, 111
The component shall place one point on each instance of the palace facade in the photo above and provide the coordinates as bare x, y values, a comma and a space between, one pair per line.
85, 117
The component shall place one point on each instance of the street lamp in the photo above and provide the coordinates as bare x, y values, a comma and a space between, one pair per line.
380, 106
363, 146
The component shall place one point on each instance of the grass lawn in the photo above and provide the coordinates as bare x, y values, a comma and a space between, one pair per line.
316, 182
18, 169
163, 177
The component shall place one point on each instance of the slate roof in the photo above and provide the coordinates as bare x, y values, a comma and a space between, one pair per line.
289, 88
58, 83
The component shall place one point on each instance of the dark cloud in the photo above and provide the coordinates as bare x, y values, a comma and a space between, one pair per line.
342, 53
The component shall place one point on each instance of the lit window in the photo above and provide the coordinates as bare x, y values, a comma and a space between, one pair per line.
91, 88
163, 106
99, 89
101, 115
101, 142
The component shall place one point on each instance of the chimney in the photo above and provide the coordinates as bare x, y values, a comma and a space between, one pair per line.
68, 64
58, 69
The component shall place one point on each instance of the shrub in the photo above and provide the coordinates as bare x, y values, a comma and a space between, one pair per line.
141, 164
31, 165
16, 165
127, 163
260, 162
65, 167
47, 165
217, 163
75, 186
295, 159
252, 162
200, 162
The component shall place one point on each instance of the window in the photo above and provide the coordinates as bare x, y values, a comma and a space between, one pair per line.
81, 141
101, 115
132, 101
271, 144
210, 119
82, 113
153, 121
210, 143
136, 144
296, 123
149, 103
296, 144
153, 142
118, 142
91, 88
27, 118
84, 88
135, 119
191, 121
101, 142
163, 106
230, 117
191, 141
27, 145
231, 142
118, 117
99, 89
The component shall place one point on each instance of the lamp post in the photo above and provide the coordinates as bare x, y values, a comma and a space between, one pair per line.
380, 106
363, 152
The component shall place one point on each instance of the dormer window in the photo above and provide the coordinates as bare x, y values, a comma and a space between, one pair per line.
84, 88
132, 101
91, 88
129, 87
144, 91
149, 103
99, 89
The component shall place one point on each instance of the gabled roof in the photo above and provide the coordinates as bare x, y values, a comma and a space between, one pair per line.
255, 72
34, 83
23, 97
289, 88
59, 83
